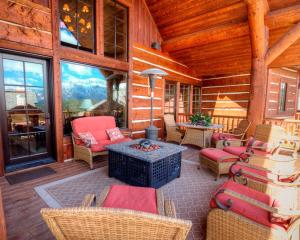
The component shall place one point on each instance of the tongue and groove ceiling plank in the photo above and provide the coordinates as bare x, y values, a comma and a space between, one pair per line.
212, 36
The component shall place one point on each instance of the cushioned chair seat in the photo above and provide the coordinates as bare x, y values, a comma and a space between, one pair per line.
244, 169
245, 209
239, 150
133, 198
218, 155
222, 136
101, 145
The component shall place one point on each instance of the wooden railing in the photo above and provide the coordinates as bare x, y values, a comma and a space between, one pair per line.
228, 122
291, 126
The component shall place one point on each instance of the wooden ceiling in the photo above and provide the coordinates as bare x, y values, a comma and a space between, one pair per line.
212, 36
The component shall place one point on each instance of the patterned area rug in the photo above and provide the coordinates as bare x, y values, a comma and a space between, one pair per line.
191, 192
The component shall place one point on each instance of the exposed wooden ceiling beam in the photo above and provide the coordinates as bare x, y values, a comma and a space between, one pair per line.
283, 43
283, 17
219, 33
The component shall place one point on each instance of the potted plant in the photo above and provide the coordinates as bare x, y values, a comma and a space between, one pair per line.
201, 119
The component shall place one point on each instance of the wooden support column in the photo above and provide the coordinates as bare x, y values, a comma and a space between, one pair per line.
259, 42
57, 91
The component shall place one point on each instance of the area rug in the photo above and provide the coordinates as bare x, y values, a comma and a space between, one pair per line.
191, 192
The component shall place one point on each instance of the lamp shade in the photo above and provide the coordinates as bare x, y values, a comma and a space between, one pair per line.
86, 104
153, 71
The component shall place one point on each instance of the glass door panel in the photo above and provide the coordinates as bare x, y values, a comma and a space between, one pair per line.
26, 134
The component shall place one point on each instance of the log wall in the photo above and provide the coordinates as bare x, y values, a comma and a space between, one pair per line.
144, 58
226, 96
26, 23
275, 77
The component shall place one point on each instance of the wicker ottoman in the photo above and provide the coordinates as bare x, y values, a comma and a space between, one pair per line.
217, 160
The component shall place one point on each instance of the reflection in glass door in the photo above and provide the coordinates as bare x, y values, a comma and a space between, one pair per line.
24, 111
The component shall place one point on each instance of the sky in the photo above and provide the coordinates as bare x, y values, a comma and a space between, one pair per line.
80, 82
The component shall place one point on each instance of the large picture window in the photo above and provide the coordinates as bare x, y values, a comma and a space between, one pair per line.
115, 30
93, 91
77, 24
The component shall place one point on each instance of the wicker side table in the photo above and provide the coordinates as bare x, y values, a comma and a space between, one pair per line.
198, 135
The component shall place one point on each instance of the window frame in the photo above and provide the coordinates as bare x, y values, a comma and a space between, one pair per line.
188, 86
282, 109
127, 33
93, 29
175, 97
199, 98
126, 119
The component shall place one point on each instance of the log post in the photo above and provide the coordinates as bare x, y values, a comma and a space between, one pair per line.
259, 42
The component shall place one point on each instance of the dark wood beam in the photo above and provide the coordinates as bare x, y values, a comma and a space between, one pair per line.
215, 34
283, 43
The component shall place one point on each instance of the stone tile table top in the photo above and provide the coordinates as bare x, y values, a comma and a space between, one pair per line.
166, 149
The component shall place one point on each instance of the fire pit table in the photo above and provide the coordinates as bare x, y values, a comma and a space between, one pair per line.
152, 168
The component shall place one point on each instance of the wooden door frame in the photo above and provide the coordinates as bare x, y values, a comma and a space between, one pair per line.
4, 158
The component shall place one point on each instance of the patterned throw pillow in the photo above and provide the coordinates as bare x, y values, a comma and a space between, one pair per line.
88, 139
114, 134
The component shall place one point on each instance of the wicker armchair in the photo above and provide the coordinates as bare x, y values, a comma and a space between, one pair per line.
278, 175
235, 135
270, 134
238, 216
173, 133
92, 223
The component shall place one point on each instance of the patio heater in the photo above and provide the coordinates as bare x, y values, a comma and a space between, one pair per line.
152, 74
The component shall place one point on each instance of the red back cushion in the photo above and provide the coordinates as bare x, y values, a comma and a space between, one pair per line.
133, 198
95, 125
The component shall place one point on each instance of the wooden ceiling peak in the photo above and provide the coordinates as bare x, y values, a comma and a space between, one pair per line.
212, 37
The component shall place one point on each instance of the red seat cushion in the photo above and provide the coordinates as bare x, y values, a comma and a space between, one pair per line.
245, 209
222, 136
100, 147
245, 169
218, 155
238, 150
133, 198
95, 125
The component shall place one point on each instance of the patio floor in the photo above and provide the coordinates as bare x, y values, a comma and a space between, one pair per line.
22, 204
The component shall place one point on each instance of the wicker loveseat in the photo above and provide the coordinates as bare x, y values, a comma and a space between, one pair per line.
104, 223
97, 126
